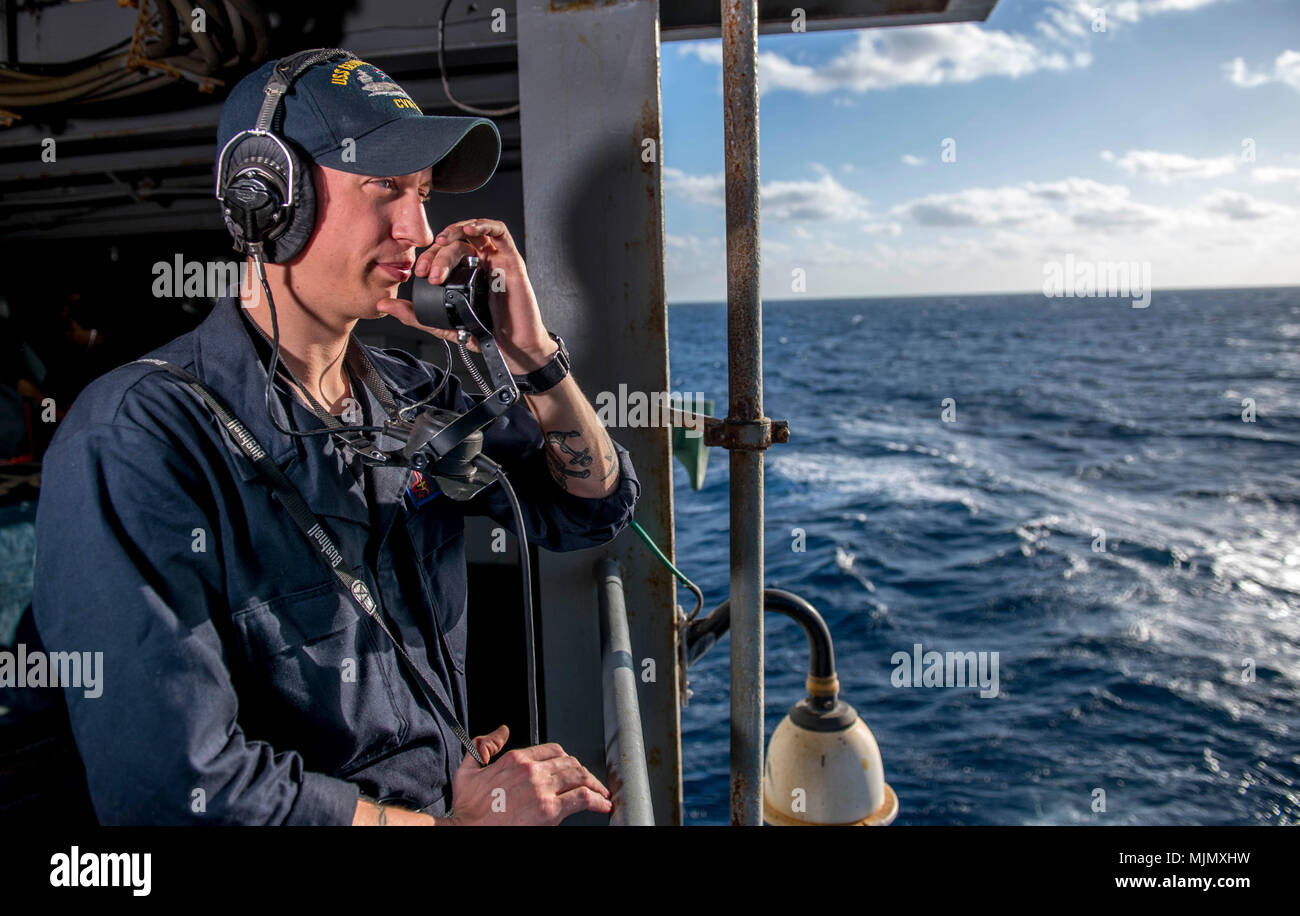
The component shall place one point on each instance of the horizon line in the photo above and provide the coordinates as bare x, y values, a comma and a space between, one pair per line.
1031, 292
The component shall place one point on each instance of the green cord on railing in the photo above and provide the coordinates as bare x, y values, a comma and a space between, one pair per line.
695, 589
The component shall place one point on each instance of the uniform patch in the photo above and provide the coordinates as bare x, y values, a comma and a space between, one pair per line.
374, 82
420, 490
340, 75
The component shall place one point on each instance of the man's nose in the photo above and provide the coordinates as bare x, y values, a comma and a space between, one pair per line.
412, 222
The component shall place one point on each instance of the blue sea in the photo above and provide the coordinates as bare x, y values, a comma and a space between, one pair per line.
1163, 668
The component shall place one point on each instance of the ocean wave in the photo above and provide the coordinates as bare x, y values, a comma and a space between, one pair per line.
899, 481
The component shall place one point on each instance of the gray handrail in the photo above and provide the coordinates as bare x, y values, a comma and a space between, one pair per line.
625, 763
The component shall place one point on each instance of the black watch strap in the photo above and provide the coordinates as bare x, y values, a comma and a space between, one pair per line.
550, 375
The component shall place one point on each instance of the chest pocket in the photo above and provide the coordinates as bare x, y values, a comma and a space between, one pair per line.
322, 686
437, 540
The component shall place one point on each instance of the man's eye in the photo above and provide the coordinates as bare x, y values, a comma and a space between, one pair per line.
391, 185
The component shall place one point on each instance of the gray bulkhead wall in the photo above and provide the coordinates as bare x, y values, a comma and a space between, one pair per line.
593, 213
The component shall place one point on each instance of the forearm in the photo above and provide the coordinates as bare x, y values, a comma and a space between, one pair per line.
579, 452
372, 814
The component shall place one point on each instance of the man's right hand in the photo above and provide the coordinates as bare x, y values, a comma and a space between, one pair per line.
539, 785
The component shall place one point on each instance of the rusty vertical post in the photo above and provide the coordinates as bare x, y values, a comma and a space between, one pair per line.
745, 405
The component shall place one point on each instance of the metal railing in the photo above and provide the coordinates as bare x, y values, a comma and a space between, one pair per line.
625, 762
749, 432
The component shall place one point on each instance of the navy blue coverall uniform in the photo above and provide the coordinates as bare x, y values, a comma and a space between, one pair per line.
240, 683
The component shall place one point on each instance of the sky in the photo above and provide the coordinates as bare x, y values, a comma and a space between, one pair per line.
1166, 133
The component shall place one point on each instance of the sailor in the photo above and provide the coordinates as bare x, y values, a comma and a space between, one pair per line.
241, 683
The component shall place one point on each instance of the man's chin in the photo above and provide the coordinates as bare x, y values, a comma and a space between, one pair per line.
379, 292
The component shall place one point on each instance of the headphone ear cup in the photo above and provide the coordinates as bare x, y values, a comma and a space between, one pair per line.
284, 240
302, 222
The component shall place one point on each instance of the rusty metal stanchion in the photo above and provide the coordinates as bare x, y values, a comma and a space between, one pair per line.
748, 432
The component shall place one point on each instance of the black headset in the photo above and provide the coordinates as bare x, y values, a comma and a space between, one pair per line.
264, 181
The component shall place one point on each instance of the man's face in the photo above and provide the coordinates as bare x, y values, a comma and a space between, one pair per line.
362, 223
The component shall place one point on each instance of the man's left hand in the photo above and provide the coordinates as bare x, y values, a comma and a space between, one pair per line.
516, 318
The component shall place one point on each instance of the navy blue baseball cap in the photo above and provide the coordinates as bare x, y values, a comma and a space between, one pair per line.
343, 100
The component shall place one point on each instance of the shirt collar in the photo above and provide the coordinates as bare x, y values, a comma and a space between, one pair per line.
227, 360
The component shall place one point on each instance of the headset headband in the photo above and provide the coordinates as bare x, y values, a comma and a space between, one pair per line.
279, 83
283, 76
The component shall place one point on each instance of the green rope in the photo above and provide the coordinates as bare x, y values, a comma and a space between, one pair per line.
699, 595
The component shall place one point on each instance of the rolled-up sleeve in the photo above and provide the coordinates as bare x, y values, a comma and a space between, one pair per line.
558, 520
129, 564
555, 519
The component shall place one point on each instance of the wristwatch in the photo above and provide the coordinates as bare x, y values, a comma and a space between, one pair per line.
550, 375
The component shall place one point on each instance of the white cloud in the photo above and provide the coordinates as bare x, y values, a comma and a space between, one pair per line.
824, 198
1066, 20
1120, 215
976, 207
993, 237
1238, 205
886, 228
1071, 205
1226, 239
697, 189
1238, 75
1134, 10
1273, 174
1165, 167
1286, 70
821, 199
930, 55
1076, 189
681, 242
909, 159
907, 56
1029, 203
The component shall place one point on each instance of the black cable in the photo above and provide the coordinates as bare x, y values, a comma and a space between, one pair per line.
71, 66
438, 385
442, 74
328, 430
275, 359
483, 462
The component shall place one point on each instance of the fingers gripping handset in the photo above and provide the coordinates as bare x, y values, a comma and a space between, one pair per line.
540, 785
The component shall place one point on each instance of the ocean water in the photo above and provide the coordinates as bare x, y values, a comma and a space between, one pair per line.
1163, 669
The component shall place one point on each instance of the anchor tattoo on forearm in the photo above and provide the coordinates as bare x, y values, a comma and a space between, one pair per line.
558, 449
